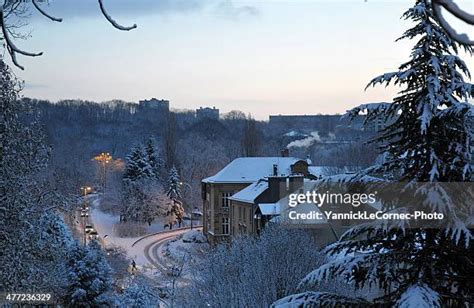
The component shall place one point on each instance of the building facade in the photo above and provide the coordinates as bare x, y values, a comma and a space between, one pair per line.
232, 196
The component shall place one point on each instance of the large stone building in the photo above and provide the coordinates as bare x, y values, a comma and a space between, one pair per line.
239, 198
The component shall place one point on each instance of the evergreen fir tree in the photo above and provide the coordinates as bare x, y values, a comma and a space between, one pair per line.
156, 164
428, 141
174, 184
138, 184
90, 277
137, 166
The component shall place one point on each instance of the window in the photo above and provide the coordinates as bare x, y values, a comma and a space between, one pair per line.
225, 199
225, 226
240, 213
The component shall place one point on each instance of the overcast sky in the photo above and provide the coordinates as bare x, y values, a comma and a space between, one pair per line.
262, 57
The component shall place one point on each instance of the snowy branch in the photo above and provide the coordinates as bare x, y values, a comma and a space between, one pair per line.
112, 21
12, 49
45, 13
452, 7
419, 295
318, 299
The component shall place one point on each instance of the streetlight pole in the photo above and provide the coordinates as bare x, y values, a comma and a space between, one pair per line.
103, 158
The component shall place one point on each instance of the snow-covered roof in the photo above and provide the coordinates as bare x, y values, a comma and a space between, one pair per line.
269, 208
251, 169
251, 192
294, 133
317, 170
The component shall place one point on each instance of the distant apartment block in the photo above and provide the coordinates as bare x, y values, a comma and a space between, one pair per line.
154, 104
207, 113
326, 123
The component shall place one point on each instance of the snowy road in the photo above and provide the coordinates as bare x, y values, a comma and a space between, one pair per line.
146, 250
154, 253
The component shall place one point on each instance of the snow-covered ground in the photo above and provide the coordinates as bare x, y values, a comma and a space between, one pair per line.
168, 248
186, 249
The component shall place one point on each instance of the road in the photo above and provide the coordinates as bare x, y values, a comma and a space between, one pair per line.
146, 251
154, 250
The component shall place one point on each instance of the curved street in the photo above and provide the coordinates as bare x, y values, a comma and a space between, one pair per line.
154, 252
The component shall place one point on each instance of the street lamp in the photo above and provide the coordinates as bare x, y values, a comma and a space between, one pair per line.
103, 158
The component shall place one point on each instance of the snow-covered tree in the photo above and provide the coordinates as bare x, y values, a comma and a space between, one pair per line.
33, 238
154, 160
427, 142
137, 167
174, 184
138, 295
90, 281
174, 193
138, 188
253, 272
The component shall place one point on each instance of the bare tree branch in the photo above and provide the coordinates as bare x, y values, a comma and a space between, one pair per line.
45, 13
12, 49
112, 21
454, 9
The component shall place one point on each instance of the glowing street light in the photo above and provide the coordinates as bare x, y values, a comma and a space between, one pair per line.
103, 158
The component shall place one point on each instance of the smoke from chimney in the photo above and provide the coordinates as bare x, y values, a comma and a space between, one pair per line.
306, 142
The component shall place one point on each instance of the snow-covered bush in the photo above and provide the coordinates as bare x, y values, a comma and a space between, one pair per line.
253, 272
194, 236
138, 295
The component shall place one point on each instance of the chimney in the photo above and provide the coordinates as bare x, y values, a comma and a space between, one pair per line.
285, 153
295, 182
277, 188
275, 170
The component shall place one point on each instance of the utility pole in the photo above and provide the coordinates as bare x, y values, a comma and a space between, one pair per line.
103, 159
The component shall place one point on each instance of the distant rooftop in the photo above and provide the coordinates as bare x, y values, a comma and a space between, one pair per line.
251, 169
